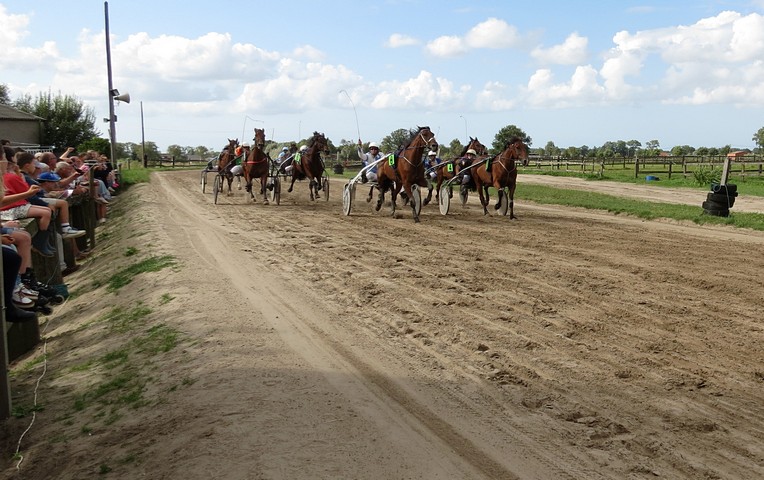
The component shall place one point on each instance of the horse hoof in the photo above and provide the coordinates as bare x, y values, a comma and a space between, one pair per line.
379, 205
368, 199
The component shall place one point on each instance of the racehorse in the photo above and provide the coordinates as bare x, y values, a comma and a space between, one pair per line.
225, 162
256, 165
405, 168
446, 171
500, 172
310, 165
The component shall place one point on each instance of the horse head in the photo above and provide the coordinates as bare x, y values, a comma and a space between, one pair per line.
423, 138
318, 143
518, 150
259, 140
479, 148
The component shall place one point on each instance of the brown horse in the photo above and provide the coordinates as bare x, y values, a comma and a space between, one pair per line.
309, 164
225, 162
500, 172
404, 169
447, 170
257, 165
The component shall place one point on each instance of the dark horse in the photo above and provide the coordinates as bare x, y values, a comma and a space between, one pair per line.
256, 165
404, 169
447, 170
225, 162
310, 165
500, 172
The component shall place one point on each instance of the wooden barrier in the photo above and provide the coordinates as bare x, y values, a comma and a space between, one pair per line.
21, 338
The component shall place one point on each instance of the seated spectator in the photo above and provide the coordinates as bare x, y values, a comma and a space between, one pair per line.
16, 205
72, 180
61, 207
12, 263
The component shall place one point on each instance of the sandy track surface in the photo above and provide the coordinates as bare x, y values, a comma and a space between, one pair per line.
566, 344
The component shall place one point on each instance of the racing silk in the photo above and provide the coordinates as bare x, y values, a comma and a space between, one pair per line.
368, 159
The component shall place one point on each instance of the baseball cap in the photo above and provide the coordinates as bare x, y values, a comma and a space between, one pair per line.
48, 177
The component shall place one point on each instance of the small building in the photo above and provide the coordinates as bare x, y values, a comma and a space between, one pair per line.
737, 154
21, 128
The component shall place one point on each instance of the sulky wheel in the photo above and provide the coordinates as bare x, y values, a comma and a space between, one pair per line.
444, 199
347, 198
216, 187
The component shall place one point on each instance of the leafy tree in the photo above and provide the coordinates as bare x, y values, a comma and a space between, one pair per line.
506, 134
68, 121
551, 149
100, 145
5, 95
395, 140
634, 147
758, 137
176, 151
702, 151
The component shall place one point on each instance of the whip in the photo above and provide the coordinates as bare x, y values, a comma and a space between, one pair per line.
356, 113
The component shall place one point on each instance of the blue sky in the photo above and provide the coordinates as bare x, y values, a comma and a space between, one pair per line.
571, 72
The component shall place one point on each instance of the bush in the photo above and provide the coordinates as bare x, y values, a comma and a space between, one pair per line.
338, 168
705, 175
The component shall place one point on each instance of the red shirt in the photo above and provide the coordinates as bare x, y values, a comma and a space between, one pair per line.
14, 184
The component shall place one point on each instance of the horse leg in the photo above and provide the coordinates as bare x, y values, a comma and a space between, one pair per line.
380, 198
512, 201
483, 194
264, 189
316, 186
371, 192
291, 185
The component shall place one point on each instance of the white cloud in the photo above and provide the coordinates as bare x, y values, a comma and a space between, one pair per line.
398, 40
14, 30
571, 52
447, 46
309, 53
495, 97
493, 33
424, 91
582, 89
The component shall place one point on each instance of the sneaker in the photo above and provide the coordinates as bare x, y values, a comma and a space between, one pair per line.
27, 292
102, 220
22, 301
69, 232
102, 201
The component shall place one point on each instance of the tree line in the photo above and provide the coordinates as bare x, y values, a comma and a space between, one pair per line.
69, 122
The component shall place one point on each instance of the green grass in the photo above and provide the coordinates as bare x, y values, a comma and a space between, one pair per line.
152, 264
750, 185
647, 210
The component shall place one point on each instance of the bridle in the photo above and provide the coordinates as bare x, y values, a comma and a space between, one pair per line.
425, 144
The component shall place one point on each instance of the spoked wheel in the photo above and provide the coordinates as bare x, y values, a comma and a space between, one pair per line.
275, 192
325, 187
464, 193
504, 202
444, 199
216, 187
416, 199
347, 198
204, 182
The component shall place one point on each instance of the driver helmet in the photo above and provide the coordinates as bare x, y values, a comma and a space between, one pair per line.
285, 149
246, 145
432, 153
471, 152
373, 145
304, 148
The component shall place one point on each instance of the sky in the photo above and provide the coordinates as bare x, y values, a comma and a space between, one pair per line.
573, 72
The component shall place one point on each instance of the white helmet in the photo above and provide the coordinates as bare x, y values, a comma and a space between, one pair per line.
471, 152
373, 145
304, 148
285, 149
245, 145
432, 152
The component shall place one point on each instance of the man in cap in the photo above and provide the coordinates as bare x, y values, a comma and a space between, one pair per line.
367, 159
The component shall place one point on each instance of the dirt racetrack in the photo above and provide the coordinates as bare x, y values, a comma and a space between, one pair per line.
567, 344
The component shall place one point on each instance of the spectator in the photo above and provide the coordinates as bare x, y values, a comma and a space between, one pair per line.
61, 207
18, 191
